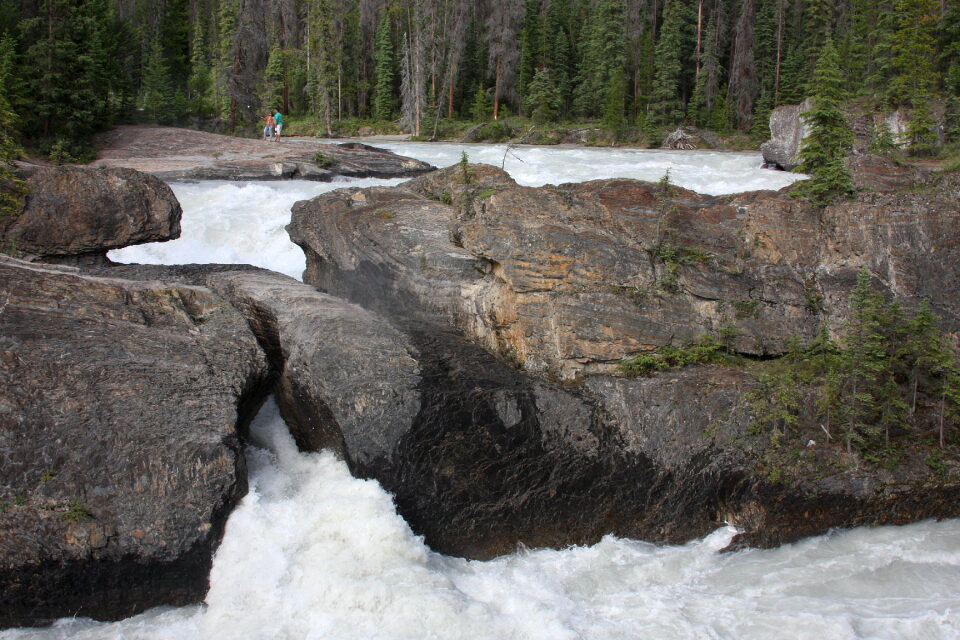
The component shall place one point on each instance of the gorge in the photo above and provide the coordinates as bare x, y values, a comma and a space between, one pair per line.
571, 603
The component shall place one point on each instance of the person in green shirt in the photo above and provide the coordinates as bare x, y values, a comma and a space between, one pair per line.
277, 124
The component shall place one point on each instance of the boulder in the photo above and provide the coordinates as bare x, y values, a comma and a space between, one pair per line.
121, 404
787, 131
76, 215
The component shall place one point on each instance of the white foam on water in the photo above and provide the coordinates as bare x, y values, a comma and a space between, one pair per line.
237, 223
709, 172
312, 553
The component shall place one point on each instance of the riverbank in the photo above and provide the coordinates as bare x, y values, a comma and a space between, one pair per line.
172, 153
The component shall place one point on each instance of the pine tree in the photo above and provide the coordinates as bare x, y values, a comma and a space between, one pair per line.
824, 149
951, 119
67, 79
543, 100
615, 101
867, 367
666, 104
157, 94
383, 94
921, 130
604, 56
530, 43
914, 53
481, 108
200, 83
792, 77
12, 187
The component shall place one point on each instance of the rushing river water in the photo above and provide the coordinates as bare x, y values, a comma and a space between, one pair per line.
312, 553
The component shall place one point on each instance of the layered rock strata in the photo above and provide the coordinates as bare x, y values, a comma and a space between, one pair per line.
571, 279
540, 444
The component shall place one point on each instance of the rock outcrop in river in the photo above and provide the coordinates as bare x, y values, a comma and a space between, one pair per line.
545, 443
184, 154
120, 459
75, 216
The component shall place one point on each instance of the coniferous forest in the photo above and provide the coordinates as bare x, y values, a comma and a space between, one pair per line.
71, 67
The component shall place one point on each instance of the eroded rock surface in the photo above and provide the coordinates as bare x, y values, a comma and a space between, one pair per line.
120, 404
181, 154
787, 131
76, 215
566, 281
572, 279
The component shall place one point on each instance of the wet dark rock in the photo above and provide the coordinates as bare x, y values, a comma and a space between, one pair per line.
120, 407
504, 291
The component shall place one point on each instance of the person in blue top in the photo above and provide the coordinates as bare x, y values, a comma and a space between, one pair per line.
277, 124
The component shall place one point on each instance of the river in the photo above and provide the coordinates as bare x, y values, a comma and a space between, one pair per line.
312, 553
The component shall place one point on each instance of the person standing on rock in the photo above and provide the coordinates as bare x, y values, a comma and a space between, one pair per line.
268, 126
278, 120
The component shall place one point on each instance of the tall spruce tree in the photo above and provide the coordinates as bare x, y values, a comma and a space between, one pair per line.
666, 101
824, 149
604, 56
384, 100
157, 90
68, 76
914, 53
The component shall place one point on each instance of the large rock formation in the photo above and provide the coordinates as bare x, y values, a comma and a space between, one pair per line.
171, 153
120, 404
572, 279
76, 215
565, 281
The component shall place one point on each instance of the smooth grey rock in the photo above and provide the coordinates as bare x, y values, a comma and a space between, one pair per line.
787, 131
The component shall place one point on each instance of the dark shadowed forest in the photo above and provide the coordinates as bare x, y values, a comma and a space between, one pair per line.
71, 67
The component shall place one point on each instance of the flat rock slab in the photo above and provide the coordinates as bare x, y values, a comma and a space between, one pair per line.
172, 153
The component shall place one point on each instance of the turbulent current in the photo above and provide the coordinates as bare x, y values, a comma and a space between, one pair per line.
312, 553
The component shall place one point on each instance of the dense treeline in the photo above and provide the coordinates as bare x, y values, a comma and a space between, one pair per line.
69, 67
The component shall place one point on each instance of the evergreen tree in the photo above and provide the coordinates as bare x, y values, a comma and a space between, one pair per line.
792, 77
383, 94
481, 109
12, 188
543, 101
867, 368
530, 43
914, 53
157, 93
615, 101
921, 130
949, 41
67, 78
274, 77
824, 149
951, 119
602, 42
666, 103
200, 83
